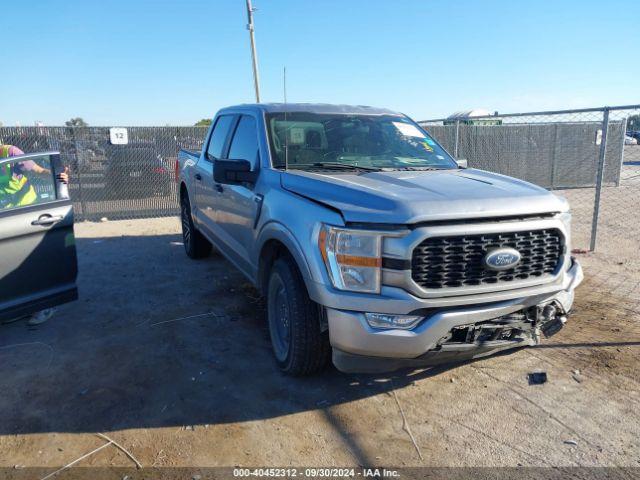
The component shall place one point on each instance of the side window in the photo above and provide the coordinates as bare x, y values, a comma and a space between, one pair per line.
218, 137
244, 145
25, 182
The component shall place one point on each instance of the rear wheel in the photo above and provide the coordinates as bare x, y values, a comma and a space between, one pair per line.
299, 345
195, 244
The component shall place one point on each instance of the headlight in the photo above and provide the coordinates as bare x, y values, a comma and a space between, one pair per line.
353, 258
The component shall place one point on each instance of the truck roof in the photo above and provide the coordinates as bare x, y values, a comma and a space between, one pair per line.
313, 108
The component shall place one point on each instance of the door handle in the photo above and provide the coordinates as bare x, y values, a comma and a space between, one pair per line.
219, 188
47, 219
197, 176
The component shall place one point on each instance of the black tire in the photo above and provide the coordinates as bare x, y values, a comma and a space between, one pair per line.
299, 345
195, 244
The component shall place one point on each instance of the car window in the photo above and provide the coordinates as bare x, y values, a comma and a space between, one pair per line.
244, 145
25, 182
308, 140
218, 136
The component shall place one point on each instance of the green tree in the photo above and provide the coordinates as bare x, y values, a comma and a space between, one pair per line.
633, 122
205, 122
76, 122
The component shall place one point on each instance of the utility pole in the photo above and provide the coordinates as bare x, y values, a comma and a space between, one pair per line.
254, 55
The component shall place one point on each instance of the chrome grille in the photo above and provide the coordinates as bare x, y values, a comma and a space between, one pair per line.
457, 261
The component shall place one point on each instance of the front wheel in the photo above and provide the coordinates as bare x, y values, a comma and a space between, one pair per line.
299, 344
195, 244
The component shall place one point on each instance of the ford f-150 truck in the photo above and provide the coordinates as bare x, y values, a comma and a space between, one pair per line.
370, 243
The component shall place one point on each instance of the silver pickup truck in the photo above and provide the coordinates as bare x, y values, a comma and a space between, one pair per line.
370, 242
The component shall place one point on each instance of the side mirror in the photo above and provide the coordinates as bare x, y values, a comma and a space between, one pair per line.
233, 172
463, 163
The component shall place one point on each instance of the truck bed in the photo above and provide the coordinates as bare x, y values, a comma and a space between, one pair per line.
188, 153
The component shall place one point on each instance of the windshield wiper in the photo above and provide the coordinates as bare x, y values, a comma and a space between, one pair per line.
345, 166
419, 168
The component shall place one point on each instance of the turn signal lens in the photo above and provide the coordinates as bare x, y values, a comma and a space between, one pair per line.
358, 261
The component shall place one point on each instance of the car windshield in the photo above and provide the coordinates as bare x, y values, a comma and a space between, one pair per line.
303, 140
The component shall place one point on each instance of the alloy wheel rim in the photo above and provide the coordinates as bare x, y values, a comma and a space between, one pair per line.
186, 227
279, 318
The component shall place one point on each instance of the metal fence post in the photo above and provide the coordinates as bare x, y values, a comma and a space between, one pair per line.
78, 175
554, 158
599, 179
624, 134
455, 147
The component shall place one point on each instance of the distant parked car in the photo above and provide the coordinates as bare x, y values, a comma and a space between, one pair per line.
630, 140
634, 134
136, 170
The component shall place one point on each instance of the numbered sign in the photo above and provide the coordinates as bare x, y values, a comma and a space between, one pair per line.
118, 136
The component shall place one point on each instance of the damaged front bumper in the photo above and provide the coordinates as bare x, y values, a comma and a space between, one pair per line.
451, 334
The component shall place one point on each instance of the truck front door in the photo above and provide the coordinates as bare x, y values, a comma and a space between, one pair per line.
237, 205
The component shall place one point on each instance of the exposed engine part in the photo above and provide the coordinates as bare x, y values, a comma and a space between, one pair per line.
518, 326
553, 326
552, 319
509, 327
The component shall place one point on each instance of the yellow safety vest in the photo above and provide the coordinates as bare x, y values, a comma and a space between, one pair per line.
14, 192
4, 150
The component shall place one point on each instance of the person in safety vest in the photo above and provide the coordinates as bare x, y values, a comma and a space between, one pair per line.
16, 190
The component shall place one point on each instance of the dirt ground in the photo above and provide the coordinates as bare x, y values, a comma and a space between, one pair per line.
171, 359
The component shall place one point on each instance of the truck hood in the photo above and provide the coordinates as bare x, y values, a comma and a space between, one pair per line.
406, 197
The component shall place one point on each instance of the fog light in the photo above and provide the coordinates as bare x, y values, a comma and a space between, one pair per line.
385, 320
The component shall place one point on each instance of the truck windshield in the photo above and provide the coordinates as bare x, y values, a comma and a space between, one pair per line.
341, 141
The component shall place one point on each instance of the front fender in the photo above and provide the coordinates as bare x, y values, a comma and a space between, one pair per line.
293, 221
277, 231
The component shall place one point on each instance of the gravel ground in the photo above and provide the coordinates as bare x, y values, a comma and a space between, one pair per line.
171, 358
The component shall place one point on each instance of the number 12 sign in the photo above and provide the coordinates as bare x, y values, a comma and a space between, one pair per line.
118, 136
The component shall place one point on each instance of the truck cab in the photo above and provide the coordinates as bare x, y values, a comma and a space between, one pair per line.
371, 244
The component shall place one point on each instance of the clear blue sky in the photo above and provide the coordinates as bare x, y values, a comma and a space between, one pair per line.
157, 62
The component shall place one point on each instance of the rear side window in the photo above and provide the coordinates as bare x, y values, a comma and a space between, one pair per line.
244, 145
218, 136
25, 182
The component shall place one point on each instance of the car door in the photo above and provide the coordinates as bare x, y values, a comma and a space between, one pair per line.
238, 205
38, 265
207, 193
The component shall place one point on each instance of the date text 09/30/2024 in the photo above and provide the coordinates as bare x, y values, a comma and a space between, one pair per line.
292, 472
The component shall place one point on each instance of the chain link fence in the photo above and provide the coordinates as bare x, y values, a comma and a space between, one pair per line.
135, 180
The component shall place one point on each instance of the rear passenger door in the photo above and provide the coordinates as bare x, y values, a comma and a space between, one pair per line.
38, 265
237, 204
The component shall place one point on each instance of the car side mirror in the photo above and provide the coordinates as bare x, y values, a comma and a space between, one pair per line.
463, 163
233, 172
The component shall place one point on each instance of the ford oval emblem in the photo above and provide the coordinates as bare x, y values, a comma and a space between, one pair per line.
502, 259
